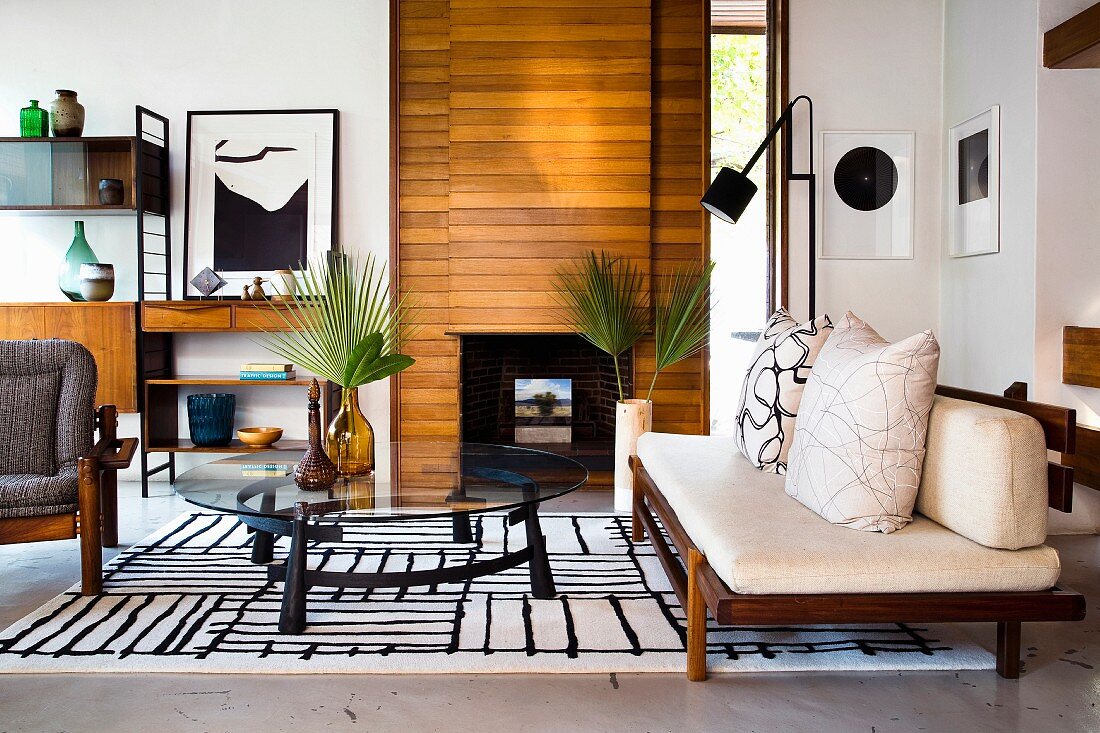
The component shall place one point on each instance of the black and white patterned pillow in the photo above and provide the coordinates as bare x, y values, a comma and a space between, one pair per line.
773, 385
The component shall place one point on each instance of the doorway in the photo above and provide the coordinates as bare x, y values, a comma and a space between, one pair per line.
743, 253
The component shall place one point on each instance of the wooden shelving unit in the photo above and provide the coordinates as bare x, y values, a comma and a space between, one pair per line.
62, 174
235, 446
160, 428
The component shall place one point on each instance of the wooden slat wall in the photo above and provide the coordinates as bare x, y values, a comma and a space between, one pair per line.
528, 135
549, 143
680, 169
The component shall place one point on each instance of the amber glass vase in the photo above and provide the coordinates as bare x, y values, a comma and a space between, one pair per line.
350, 441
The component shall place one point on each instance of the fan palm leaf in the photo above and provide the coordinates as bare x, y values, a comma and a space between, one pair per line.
604, 300
682, 323
342, 323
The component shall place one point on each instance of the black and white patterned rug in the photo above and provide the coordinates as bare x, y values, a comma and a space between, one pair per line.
187, 599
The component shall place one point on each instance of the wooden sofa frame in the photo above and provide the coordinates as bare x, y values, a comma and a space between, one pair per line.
700, 590
96, 518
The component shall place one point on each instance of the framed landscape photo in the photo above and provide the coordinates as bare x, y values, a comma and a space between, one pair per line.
544, 410
867, 195
974, 185
262, 193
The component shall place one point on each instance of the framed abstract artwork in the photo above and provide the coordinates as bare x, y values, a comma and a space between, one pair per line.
262, 193
974, 185
867, 195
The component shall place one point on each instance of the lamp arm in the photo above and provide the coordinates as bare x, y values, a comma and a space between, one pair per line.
786, 116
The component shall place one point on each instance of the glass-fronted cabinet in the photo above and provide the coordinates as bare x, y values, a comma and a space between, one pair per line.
66, 173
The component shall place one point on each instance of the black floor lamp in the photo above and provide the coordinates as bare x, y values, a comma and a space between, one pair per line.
731, 191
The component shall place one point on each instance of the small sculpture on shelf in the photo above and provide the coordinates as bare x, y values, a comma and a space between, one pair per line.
315, 471
256, 292
208, 282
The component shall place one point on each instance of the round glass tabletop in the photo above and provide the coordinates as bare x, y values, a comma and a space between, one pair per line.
422, 480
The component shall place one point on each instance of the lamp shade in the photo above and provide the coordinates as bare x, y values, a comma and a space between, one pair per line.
729, 195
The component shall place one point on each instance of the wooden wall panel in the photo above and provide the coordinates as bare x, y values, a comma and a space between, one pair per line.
528, 133
549, 152
681, 94
423, 204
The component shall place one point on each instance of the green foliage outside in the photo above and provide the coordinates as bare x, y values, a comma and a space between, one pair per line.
738, 101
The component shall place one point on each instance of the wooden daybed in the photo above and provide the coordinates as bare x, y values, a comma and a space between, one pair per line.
700, 588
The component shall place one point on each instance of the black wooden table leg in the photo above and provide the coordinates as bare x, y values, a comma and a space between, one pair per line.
460, 528
263, 547
542, 581
292, 617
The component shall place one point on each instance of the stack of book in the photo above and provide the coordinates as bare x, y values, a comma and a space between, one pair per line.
267, 372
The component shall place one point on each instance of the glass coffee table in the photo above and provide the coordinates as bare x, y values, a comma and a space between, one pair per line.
425, 481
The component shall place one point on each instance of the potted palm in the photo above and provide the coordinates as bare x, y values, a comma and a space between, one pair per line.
342, 323
605, 300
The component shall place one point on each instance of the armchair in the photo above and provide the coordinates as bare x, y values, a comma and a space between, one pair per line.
56, 481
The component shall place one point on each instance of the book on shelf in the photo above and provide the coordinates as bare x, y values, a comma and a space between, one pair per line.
268, 376
266, 367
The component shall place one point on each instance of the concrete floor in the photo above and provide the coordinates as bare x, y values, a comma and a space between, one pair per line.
1058, 692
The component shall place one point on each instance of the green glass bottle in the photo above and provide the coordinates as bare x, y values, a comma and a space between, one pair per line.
79, 253
34, 121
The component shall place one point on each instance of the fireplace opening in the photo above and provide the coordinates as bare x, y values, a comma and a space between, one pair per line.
491, 364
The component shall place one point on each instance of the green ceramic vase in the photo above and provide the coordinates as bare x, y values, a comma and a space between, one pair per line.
79, 253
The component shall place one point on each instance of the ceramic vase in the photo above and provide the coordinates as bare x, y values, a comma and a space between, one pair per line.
350, 440
210, 418
111, 192
34, 121
97, 281
79, 253
315, 472
632, 419
284, 284
66, 115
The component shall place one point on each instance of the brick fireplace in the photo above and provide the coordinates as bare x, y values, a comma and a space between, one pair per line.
490, 365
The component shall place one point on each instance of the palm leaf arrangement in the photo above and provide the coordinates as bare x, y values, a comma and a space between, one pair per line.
605, 301
682, 325
342, 323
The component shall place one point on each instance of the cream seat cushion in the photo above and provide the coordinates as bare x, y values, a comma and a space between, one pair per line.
985, 474
761, 541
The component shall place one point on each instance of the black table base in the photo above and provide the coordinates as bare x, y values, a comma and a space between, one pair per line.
297, 578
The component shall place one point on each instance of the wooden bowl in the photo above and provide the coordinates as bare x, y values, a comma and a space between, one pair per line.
259, 437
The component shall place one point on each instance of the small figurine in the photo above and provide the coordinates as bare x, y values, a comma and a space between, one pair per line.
256, 292
258, 289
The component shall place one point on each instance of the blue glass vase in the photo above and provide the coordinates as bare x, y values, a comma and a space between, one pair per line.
79, 253
210, 418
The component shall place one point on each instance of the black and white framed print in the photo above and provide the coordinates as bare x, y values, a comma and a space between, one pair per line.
867, 195
973, 185
262, 192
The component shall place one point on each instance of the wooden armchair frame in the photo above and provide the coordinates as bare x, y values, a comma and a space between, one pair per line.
96, 518
700, 590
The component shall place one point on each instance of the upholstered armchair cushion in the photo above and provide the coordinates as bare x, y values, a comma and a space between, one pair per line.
28, 422
47, 400
26, 495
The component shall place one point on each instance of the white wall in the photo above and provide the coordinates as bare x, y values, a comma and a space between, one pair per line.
871, 65
987, 302
172, 57
1068, 182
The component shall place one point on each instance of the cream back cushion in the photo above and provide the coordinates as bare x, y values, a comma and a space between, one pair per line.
859, 437
985, 474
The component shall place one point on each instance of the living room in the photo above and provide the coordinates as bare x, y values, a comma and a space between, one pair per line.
586, 364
